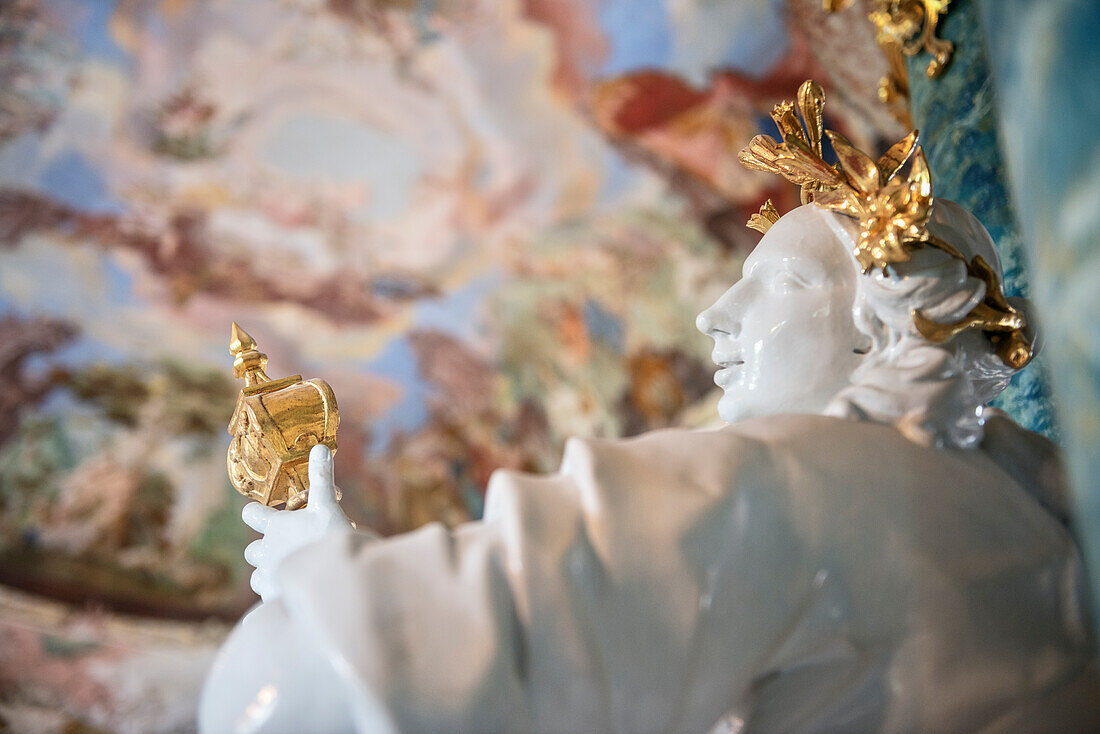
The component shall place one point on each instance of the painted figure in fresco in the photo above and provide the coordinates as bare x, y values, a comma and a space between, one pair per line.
864, 548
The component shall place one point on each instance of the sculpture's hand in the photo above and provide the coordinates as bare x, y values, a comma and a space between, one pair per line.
285, 532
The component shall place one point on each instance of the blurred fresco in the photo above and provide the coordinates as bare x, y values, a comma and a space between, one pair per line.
1045, 66
489, 225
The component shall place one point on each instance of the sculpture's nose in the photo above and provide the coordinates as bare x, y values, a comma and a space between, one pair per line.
715, 322
703, 322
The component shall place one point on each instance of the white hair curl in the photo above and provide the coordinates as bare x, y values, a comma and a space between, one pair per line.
933, 393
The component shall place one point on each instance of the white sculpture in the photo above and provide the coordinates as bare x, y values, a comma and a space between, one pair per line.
863, 549
786, 573
804, 332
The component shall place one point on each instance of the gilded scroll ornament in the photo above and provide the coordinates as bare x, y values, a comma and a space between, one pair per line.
911, 24
891, 198
904, 28
274, 426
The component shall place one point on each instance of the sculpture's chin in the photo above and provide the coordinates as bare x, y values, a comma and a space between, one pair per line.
741, 404
733, 407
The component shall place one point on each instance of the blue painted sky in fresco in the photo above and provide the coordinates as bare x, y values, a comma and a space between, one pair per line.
749, 36
1045, 62
456, 314
57, 294
603, 325
639, 35
91, 26
70, 179
68, 176
619, 178
62, 289
18, 159
397, 362
758, 45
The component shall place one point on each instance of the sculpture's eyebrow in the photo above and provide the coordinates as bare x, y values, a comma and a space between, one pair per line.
808, 270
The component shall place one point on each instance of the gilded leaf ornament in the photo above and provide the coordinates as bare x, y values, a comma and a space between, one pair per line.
891, 199
763, 220
798, 157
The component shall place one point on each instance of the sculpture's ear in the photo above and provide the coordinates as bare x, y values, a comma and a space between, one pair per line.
1032, 332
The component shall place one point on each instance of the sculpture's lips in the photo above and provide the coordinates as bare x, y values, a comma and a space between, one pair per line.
728, 368
726, 359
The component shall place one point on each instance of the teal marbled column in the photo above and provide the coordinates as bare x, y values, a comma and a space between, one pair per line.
956, 116
1046, 63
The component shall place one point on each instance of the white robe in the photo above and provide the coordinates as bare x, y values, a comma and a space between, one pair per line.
787, 574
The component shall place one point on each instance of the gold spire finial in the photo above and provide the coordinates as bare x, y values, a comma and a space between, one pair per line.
248, 363
239, 339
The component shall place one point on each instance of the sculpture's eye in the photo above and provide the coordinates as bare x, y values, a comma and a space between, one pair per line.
786, 281
790, 276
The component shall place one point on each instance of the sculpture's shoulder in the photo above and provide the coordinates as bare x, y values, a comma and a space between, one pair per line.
781, 449
803, 461
830, 477
800, 533
1012, 483
1031, 458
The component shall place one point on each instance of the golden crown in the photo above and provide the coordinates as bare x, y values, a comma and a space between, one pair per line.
892, 200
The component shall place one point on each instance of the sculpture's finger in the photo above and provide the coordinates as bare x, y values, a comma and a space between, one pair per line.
257, 516
254, 553
322, 490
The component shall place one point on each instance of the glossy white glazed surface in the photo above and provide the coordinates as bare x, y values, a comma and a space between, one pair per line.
641, 590
784, 338
786, 573
287, 532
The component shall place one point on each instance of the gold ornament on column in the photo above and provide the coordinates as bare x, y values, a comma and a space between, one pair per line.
274, 426
904, 28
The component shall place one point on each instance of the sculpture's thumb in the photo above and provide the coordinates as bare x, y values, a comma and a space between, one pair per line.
322, 489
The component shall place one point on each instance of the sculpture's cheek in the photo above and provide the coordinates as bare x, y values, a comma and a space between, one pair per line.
797, 347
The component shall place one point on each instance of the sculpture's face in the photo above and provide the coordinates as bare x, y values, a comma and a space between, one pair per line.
784, 336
